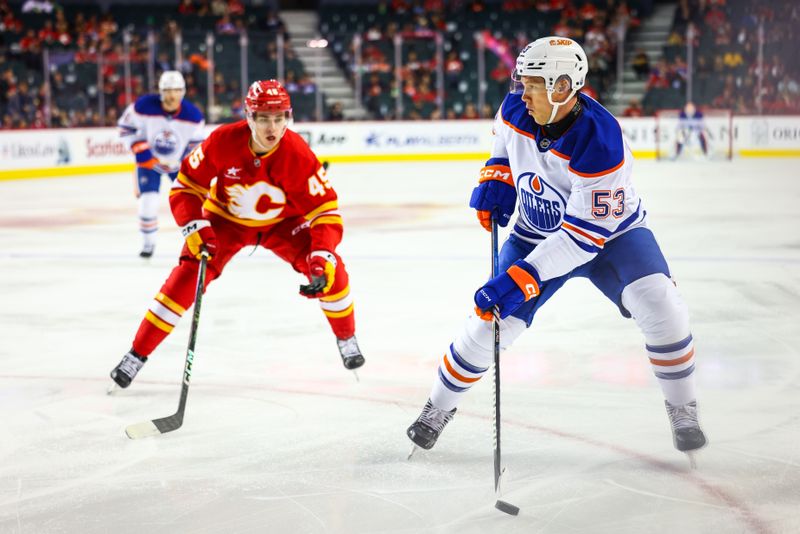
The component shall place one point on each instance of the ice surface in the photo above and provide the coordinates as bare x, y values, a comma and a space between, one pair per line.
280, 438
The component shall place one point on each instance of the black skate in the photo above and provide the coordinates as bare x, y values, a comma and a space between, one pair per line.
428, 426
350, 353
147, 251
687, 436
124, 373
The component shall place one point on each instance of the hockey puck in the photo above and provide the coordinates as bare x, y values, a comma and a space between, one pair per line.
503, 506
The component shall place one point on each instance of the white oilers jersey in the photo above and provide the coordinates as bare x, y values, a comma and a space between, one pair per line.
169, 136
574, 193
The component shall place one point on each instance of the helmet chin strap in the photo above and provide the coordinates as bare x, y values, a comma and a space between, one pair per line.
557, 104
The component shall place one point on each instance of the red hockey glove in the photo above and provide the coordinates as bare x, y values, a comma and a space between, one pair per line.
322, 271
199, 234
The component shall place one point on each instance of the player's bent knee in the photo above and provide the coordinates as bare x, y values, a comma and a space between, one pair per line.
658, 308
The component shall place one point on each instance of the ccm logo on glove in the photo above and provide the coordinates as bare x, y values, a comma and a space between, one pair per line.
198, 235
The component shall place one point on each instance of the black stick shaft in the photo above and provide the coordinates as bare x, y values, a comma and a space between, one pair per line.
174, 421
198, 301
168, 424
496, 330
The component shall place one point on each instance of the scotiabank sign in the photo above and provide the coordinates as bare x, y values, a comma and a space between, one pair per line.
104, 147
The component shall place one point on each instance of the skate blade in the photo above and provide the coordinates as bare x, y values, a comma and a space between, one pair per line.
692, 455
355, 374
113, 389
412, 451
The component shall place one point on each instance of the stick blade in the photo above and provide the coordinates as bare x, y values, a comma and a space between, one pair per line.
155, 427
503, 506
142, 430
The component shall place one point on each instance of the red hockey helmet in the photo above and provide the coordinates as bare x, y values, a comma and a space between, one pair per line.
267, 96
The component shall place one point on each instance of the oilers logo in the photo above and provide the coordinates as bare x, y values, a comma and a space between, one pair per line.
540, 204
165, 142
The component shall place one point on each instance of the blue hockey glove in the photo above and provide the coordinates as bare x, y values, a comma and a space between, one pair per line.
146, 160
495, 197
508, 290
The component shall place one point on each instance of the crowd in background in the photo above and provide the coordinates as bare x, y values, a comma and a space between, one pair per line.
76, 39
723, 34
504, 27
724, 37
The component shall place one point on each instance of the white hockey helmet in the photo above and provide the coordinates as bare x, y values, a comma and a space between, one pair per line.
171, 79
552, 59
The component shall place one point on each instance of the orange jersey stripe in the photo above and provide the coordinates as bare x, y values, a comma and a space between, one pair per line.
596, 240
141, 146
526, 134
601, 173
668, 363
457, 375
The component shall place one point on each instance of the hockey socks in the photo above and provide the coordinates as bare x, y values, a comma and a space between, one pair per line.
469, 357
673, 365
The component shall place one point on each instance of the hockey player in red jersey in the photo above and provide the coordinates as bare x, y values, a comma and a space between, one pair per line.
251, 183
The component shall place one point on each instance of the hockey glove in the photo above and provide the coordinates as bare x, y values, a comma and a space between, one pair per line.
322, 271
199, 234
508, 291
146, 160
495, 197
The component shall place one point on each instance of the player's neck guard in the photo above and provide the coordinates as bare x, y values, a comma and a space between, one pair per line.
556, 129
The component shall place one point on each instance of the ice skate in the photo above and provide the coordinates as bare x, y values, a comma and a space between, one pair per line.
428, 426
147, 250
350, 353
124, 373
686, 433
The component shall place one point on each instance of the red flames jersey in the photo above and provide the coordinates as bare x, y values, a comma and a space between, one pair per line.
225, 177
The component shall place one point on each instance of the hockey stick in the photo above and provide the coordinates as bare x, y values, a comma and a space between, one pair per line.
498, 468
174, 421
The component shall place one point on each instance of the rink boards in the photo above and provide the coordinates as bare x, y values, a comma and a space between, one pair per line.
28, 154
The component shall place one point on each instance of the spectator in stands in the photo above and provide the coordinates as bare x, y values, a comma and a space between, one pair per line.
218, 8
641, 64
186, 7
659, 75
307, 87
224, 26
335, 112
634, 109
470, 111
453, 67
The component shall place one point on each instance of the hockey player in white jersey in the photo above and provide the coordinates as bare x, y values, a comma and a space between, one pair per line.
560, 159
160, 129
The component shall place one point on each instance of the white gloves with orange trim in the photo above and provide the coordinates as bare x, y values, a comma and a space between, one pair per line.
508, 290
322, 271
198, 235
